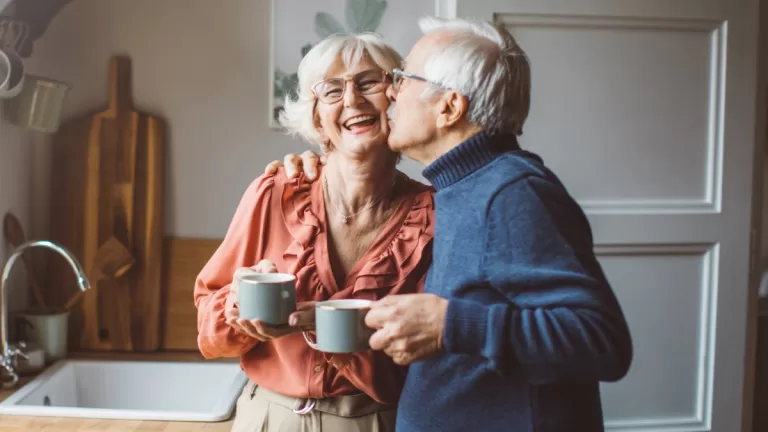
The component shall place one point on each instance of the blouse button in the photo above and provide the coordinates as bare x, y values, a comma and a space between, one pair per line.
318, 369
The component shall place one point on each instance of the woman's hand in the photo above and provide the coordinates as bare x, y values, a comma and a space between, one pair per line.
301, 320
304, 317
264, 266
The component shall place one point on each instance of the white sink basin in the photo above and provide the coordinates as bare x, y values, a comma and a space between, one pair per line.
133, 390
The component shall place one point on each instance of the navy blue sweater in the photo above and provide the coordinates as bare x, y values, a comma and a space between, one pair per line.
532, 325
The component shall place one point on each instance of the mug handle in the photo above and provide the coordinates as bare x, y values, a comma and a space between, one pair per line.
310, 342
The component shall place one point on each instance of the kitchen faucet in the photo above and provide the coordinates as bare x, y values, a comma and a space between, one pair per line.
10, 352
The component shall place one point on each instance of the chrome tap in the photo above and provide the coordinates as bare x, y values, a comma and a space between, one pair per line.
8, 352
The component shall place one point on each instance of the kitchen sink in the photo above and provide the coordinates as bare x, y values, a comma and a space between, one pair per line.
132, 390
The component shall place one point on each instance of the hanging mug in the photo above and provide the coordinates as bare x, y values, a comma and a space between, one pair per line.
11, 64
11, 73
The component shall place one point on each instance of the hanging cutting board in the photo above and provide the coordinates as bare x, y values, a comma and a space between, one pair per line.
107, 192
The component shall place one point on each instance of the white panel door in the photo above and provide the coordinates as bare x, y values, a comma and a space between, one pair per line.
646, 110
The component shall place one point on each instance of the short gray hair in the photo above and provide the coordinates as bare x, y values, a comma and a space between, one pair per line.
485, 64
298, 115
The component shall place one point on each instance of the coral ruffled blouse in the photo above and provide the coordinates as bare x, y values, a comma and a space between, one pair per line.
284, 221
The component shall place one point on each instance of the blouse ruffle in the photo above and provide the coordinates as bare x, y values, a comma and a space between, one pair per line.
386, 269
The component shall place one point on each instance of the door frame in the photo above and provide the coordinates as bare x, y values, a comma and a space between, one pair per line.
757, 306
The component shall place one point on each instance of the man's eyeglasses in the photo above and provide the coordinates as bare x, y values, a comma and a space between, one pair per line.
366, 83
400, 76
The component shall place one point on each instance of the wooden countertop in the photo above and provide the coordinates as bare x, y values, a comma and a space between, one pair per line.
59, 424
56, 424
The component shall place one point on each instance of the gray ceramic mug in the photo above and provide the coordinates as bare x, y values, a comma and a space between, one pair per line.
268, 297
340, 326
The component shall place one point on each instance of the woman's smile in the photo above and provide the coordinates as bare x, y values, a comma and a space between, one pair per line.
361, 123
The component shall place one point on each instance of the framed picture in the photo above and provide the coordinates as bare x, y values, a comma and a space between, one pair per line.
298, 24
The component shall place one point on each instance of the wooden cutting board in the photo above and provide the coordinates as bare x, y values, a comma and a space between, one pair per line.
183, 258
107, 183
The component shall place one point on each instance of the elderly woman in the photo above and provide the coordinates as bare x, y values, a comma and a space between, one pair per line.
364, 231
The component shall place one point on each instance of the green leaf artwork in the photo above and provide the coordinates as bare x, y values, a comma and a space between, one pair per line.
326, 25
359, 16
305, 49
364, 15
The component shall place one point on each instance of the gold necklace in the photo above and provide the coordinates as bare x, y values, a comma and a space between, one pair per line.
345, 218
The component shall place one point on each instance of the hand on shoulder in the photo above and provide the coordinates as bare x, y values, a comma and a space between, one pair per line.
310, 163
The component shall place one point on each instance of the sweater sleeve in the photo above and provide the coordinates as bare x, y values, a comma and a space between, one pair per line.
243, 245
556, 319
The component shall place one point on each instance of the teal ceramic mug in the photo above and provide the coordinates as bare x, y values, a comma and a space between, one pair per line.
268, 297
340, 326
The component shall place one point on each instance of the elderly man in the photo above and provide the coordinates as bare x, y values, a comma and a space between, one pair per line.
518, 324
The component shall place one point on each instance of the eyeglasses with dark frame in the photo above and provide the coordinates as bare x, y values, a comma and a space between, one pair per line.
367, 82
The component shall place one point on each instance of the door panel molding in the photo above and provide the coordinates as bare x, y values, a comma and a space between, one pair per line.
704, 255
708, 176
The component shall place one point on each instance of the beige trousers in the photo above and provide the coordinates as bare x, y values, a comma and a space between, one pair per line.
262, 410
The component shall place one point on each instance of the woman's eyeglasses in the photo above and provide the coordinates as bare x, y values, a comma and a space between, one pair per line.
366, 83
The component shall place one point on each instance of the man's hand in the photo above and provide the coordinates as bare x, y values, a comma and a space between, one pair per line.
301, 320
308, 161
409, 326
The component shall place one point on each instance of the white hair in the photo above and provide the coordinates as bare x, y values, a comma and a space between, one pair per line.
484, 63
298, 115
